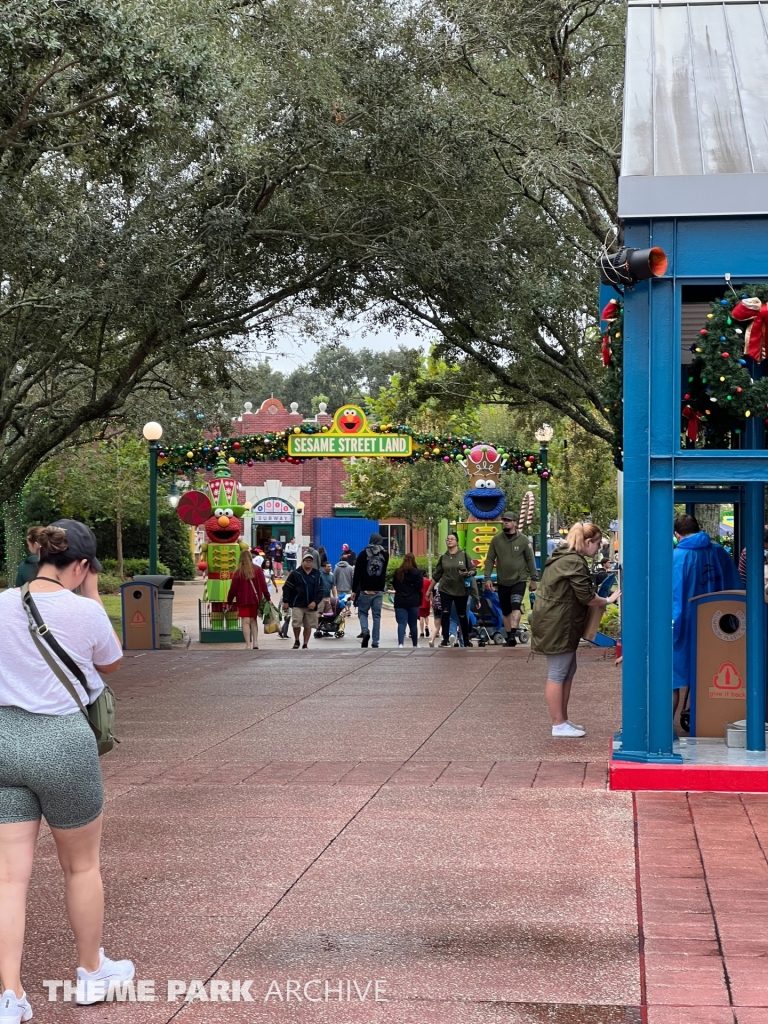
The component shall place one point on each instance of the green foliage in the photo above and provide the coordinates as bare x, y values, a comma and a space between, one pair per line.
420, 493
610, 624
177, 178
584, 477
133, 567
394, 564
174, 546
110, 583
428, 395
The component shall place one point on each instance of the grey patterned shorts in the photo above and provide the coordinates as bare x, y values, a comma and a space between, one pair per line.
49, 766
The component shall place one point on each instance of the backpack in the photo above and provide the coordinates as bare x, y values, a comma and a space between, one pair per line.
375, 556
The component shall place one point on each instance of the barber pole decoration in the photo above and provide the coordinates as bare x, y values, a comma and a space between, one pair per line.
526, 510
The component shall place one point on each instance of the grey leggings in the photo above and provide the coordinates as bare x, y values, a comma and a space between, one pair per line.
49, 766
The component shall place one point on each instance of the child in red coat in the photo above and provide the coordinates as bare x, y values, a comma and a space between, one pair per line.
246, 592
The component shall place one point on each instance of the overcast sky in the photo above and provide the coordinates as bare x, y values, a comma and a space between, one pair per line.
294, 352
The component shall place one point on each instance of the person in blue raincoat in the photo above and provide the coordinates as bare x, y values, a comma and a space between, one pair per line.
699, 566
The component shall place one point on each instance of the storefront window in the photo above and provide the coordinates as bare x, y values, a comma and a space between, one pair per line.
394, 539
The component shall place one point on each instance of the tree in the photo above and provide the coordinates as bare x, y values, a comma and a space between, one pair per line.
422, 493
536, 86
584, 477
104, 482
176, 179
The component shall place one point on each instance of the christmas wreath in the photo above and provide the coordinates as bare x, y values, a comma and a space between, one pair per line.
721, 390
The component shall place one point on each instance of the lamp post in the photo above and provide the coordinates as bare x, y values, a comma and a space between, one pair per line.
153, 432
543, 435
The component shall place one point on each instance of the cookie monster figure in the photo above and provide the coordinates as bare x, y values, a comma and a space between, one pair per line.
485, 499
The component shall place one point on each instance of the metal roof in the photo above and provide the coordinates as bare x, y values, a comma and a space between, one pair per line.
695, 135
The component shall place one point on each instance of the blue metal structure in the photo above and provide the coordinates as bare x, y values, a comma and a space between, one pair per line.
700, 251
332, 533
694, 181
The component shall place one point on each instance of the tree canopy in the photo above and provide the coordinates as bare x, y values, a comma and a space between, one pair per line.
180, 179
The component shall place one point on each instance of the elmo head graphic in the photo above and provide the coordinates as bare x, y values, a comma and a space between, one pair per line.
223, 527
350, 421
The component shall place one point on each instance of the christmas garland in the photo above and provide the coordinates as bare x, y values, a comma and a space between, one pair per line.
721, 393
613, 383
249, 449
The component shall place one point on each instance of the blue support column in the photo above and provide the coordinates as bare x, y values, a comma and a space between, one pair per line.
635, 540
756, 643
754, 516
664, 440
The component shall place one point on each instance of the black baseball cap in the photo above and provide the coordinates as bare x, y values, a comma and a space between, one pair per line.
81, 541
509, 517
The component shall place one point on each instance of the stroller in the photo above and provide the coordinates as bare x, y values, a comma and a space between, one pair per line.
331, 622
490, 622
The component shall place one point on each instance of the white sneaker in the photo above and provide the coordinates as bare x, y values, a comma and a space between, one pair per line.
94, 987
576, 726
568, 730
13, 1010
452, 640
431, 641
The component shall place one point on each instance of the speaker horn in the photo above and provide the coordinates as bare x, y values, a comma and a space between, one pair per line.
628, 266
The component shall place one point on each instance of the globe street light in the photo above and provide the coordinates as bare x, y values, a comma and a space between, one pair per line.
543, 435
153, 432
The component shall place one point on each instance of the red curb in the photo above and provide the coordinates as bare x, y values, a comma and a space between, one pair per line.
683, 778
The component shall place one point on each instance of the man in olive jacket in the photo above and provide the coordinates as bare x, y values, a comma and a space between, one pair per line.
515, 564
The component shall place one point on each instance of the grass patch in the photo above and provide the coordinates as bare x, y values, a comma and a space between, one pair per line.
112, 605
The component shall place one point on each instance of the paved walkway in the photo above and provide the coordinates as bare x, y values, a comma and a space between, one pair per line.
316, 822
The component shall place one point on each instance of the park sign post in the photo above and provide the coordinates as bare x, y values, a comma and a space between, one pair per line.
349, 435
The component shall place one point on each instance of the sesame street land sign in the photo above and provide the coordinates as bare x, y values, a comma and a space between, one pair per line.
349, 436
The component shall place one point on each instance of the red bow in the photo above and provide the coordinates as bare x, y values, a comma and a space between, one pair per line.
694, 419
757, 333
610, 313
606, 351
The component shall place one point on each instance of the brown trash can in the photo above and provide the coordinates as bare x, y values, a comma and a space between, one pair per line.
141, 622
721, 662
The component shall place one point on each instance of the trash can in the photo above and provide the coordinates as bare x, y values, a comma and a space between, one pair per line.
719, 696
140, 617
164, 586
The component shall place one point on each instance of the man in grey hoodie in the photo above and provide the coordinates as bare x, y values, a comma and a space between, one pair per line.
368, 583
343, 571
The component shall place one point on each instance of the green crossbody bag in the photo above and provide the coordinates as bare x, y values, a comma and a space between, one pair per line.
101, 713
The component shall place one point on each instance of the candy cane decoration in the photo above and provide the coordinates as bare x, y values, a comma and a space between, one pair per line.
526, 510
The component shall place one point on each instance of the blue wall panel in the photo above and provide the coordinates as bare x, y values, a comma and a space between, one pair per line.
332, 533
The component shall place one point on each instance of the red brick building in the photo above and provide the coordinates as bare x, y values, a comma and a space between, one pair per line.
307, 501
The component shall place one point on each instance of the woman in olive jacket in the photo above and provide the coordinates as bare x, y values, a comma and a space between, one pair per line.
454, 567
563, 599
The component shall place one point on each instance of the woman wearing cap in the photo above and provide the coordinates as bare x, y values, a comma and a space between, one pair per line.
563, 600
49, 763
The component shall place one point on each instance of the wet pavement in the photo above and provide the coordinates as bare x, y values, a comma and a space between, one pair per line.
344, 837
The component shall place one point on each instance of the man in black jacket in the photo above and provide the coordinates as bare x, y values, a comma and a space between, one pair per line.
368, 585
302, 592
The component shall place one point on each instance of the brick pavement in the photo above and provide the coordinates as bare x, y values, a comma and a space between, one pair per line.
280, 817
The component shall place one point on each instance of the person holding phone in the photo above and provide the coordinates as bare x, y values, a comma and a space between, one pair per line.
49, 760
453, 572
